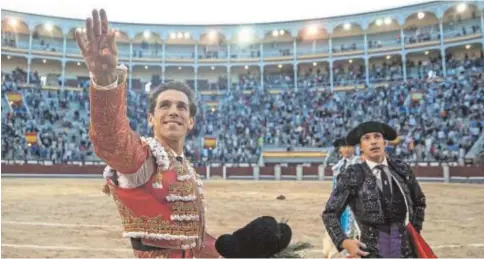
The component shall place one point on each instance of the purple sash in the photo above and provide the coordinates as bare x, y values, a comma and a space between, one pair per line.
390, 243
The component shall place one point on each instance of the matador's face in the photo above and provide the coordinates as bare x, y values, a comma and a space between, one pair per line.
347, 151
171, 117
373, 146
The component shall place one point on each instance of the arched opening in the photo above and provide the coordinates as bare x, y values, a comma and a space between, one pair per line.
313, 75
462, 22
147, 44
312, 42
465, 59
48, 70
212, 78
76, 75
421, 29
348, 39
212, 45
180, 46
387, 68
419, 64
349, 72
15, 33
48, 38
15, 67
245, 45
384, 35
279, 76
278, 43
245, 77
184, 74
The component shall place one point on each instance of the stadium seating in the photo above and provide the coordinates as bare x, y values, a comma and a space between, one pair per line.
422, 75
437, 121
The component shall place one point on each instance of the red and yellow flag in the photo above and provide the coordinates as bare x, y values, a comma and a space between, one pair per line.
14, 97
209, 142
31, 137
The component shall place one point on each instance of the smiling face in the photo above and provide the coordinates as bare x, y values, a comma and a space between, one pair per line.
170, 118
373, 146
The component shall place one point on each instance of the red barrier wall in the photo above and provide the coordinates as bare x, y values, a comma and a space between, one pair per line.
239, 171
466, 171
313, 170
420, 171
215, 171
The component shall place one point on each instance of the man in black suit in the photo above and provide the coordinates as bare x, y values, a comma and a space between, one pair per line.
383, 194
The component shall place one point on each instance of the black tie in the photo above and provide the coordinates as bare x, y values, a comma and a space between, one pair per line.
385, 182
343, 167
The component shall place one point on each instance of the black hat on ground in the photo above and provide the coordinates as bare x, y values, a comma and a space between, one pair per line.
262, 238
354, 136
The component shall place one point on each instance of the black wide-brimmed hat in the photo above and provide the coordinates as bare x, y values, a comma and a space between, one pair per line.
262, 238
354, 136
340, 142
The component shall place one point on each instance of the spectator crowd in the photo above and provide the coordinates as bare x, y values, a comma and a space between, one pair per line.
437, 120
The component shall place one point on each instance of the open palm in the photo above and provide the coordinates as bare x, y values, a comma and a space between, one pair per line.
98, 48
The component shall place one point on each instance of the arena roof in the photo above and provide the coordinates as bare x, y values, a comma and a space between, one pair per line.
191, 12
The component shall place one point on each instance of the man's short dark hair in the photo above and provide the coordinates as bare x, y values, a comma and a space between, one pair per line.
177, 86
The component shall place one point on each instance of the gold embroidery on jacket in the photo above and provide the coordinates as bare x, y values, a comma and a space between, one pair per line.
182, 188
175, 223
184, 207
158, 225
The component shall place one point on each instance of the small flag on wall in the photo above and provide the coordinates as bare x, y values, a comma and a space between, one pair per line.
209, 142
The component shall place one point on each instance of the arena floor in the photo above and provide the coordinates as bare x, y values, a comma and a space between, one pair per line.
72, 218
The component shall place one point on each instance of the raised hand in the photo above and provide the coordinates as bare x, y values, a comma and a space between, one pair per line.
98, 48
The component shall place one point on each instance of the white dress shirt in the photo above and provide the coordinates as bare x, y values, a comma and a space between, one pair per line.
377, 173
